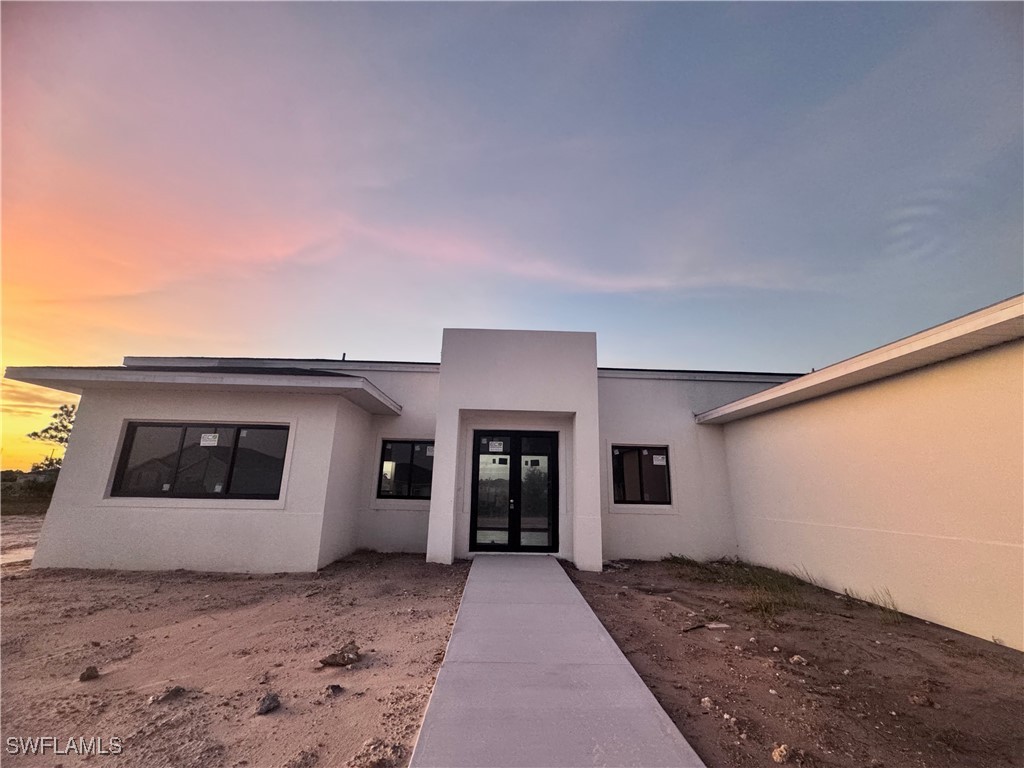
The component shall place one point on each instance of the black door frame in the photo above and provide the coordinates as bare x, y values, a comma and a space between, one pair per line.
515, 485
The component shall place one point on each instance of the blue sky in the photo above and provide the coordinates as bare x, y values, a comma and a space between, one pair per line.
713, 186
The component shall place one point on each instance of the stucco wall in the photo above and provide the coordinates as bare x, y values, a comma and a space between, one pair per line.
659, 412
396, 525
349, 464
911, 484
87, 528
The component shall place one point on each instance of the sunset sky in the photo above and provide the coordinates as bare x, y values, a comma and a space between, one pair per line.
712, 186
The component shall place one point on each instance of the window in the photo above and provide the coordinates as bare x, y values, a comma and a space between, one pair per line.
201, 461
406, 469
640, 475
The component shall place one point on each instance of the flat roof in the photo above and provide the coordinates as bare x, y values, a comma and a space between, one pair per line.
978, 330
219, 369
269, 364
319, 363
357, 389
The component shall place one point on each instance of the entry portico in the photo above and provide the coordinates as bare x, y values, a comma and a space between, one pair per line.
504, 385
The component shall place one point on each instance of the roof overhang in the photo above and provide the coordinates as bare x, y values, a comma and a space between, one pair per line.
985, 328
354, 388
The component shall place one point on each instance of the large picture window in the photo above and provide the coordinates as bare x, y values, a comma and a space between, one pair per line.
406, 469
640, 475
201, 461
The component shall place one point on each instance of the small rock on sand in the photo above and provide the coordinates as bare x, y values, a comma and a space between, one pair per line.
268, 704
781, 753
169, 694
349, 654
90, 673
921, 700
377, 753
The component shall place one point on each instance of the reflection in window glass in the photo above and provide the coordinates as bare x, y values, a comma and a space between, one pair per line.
422, 471
259, 461
205, 460
152, 457
196, 461
406, 469
640, 475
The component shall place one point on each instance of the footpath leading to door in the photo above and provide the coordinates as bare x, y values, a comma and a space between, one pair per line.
531, 679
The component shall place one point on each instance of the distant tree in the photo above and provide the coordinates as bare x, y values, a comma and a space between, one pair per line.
58, 430
49, 462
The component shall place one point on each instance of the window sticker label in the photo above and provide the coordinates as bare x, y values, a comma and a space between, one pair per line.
207, 441
218, 488
659, 461
430, 450
495, 446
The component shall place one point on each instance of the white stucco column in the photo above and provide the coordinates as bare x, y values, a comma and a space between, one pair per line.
586, 516
441, 528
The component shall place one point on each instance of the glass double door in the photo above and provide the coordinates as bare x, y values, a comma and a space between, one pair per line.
515, 492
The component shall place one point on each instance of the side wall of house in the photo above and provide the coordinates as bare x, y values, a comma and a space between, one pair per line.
88, 528
345, 499
396, 525
912, 484
640, 410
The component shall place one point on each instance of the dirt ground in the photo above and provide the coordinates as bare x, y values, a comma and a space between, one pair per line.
19, 531
838, 681
225, 641
23, 507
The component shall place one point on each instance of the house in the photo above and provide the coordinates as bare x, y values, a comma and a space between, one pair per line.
899, 469
36, 477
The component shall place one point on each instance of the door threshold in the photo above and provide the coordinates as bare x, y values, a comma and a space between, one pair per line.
513, 554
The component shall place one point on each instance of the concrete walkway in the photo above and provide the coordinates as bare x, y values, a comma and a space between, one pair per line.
532, 679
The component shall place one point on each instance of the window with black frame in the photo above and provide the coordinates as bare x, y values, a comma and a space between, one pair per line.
640, 475
406, 469
201, 461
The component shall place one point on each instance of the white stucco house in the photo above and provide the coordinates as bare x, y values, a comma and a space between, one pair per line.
900, 468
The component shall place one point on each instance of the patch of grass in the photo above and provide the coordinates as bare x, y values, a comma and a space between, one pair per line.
693, 569
22, 506
887, 603
768, 579
770, 591
881, 599
767, 604
854, 595
805, 575
685, 562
